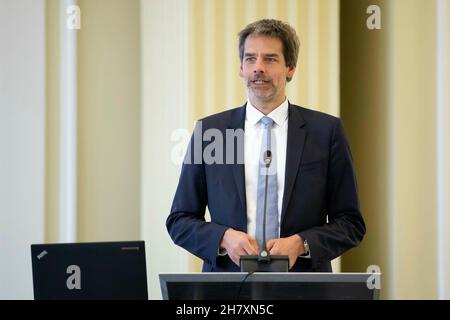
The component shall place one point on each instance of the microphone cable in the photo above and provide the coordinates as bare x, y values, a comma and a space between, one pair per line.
242, 283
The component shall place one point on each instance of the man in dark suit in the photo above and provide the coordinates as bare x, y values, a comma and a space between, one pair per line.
315, 202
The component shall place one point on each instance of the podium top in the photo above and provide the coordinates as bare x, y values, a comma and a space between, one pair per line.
269, 285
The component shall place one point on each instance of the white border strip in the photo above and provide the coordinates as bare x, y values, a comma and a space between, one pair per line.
443, 149
68, 129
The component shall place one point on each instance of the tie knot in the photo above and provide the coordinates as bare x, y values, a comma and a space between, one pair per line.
266, 121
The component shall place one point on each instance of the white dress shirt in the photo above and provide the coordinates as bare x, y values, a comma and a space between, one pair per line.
254, 130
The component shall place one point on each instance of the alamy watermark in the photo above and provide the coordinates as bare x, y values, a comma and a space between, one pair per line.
374, 280
374, 20
214, 146
73, 20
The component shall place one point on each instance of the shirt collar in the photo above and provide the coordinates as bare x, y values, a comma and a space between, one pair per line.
278, 115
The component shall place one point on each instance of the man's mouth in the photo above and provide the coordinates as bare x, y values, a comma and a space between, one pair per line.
259, 82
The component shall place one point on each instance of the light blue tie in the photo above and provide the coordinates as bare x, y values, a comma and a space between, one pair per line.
272, 225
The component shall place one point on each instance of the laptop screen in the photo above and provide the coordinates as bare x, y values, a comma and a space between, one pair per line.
90, 270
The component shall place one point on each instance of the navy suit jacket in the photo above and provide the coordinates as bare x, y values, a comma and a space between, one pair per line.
319, 183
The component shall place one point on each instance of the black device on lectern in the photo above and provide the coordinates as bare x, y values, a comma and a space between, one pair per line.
264, 262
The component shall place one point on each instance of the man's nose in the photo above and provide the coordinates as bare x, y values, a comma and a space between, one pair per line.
259, 66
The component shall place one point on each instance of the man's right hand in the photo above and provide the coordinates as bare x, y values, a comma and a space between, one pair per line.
238, 243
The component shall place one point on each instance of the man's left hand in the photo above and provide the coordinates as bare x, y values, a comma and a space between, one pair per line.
291, 246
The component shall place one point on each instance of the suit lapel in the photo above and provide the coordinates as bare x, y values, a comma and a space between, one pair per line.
237, 121
295, 142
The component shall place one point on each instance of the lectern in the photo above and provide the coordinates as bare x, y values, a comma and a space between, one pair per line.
268, 286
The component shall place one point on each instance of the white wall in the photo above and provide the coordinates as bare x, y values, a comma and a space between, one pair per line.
22, 109
164, 109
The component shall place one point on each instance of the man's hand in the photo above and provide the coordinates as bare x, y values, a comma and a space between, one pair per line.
237, 244
291, 246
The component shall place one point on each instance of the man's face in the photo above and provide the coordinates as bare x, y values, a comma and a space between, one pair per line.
264, 70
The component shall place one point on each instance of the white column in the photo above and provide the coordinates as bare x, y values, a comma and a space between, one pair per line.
68, 129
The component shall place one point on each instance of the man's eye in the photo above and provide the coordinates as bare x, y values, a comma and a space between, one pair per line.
250, 59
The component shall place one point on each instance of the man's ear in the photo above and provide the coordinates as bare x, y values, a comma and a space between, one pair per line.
241, 72
290, 72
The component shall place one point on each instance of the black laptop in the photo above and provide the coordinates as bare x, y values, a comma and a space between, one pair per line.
90, 270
